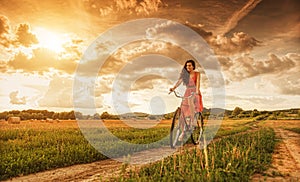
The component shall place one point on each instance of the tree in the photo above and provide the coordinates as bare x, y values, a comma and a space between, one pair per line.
3, 115
39, 116
255, 113
55, 115
25, 116
8, 116
236, 111
71, 115
63, 115
78, 115
169, 115
206, 115
33, 116
282, 115
14, 112
105, 115
96, 116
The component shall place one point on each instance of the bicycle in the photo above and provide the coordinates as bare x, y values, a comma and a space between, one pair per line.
180, 123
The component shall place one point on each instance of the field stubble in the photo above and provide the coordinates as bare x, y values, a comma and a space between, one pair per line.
103, 169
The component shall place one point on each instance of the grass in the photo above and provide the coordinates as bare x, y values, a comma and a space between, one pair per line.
25, 151
28, 151
32, 147
233, 158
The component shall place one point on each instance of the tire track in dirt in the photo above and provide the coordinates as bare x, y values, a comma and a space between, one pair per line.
104, 170
96, 171
285, 160
73, 173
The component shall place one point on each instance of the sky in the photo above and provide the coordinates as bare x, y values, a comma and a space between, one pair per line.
256, 44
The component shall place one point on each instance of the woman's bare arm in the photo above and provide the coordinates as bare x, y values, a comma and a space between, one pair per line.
176, 85
198, 83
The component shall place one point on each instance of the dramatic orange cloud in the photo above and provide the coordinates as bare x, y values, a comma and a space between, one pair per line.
256, 43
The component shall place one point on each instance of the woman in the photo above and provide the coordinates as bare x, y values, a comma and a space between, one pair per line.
191, 79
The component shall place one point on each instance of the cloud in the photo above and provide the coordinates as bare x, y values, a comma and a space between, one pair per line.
4, 31
59, 93
240, 14
14, 99
255, 101
137, 49
41, 61
24, 36
240, 42
246, 67
3, 67
87, 92
288, 82
147, 6
272, 20
133, 74
148, 82
200, 30
293, 32
125, 55
104, 84
22, 55
128, 7
4, 25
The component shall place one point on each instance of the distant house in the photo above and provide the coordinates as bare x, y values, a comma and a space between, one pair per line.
14, 120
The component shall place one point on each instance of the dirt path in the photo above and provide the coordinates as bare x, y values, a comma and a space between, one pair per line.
96, 171
75, 173
285, 166
105, 169
286, 158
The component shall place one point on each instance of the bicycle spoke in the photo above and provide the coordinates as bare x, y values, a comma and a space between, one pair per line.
197, 131
175, 129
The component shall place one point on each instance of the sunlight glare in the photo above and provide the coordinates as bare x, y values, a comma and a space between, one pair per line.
50, 40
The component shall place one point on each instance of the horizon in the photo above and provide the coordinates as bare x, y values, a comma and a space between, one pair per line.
255, 45
147, 113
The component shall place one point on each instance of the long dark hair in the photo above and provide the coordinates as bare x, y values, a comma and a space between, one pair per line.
185, 75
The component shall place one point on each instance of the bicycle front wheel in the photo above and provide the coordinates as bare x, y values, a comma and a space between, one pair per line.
175, 129
197, 131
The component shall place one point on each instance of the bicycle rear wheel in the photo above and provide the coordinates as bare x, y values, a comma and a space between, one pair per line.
197, 131
175, 129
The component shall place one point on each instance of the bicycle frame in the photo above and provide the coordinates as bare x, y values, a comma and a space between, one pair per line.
192, 127
191, 106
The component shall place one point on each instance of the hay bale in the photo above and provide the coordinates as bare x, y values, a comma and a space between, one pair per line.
14, 120
48, 120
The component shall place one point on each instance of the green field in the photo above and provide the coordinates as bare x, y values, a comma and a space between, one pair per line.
234, 158
32, 147
24, 151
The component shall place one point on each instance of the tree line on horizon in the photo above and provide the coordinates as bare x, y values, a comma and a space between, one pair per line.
237, 113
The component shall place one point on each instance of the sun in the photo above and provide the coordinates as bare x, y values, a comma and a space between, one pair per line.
50, 40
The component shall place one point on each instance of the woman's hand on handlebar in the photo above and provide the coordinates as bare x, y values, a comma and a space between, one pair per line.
172, 89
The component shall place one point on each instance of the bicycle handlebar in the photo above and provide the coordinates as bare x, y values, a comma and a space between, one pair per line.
182, 97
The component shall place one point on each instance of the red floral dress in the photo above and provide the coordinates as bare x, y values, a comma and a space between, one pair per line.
195, 102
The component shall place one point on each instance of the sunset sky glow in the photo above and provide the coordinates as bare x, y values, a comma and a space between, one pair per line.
256, 42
